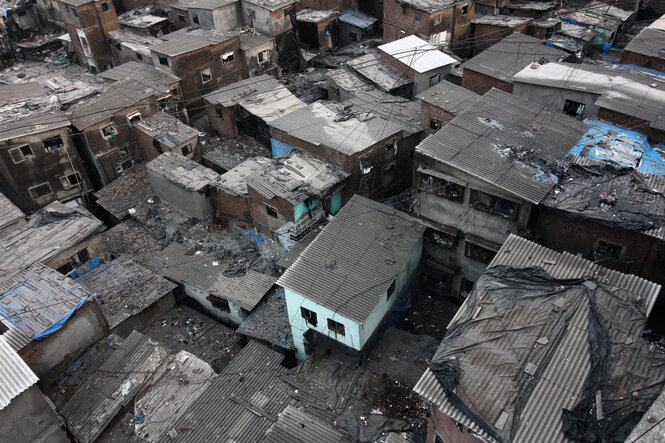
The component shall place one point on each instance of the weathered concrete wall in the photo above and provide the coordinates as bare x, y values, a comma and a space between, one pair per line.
194, 204
30, 418
224, 125
232, 317
253, 66
224, 18
146, 317
48, 358
555, 98
272, 23
425, 80
180, 17
149, 151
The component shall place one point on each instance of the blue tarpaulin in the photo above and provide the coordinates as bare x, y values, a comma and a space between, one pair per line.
606, 142
93, 264
279, 148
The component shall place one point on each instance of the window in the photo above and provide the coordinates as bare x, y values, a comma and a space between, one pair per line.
466, 287
206, 76
337, 93
219, 112
70, 180
124, 166
465, 9
84, 41
163, 59
336, 327
76, 260
434, 124
118, 47
271, 211
40, 190
195, 19
353, 36
437, 19
574, 108
227, 58
606, 250
74, 12
53, 143
494, 205
134, 117
186, 150
21, 13
309, 316
433, 80
416, 17
442, 188
264, 56
181, 18
478, 253
105, 7
391, 289
139, 57
108, 132
123, 152
392, 145
440, 239
438, 438
21, 153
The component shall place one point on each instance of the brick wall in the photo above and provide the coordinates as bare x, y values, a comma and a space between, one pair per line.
225, 126
643, 60
447, 429
481, 83
487, 35
264, 222
537, 32
231, 205
429, 111
175, 15
328, 5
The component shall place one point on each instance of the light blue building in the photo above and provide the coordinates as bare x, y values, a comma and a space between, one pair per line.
345, 283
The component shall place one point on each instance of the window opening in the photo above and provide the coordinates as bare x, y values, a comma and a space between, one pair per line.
309, 316
336, 327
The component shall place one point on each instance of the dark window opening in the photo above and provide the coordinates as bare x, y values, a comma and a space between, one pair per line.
163, 59
21, 13
434, 124
443, 188
124, 166
336, 327
84, 41
263, 56
478, 253
70, 180
139, 57
186, 150
227, 58
353, 36
124, 152
118, 47
21, 153
206, 76
195, 19
134, 118
53, 143
391, 289
438, 439
494, 205
440, 239
337, 93
219, 303
76, 260
271, 211
219, 113
108, 131
309, 316
433, 80
40, 190
606, 250
105, 7
75, 13
574, 108
181, 18
466, 288
93, 69
416, 17
465, 10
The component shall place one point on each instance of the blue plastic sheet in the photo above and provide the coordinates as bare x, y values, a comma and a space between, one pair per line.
279, 148
58, 324
92, 264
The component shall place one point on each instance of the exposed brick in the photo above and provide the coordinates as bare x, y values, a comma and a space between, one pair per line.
487, 35
643, 60
481, 83
231, 205
430, 112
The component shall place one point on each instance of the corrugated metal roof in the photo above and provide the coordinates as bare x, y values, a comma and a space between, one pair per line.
37, 300
114, 385
352, 262
358, 19
249, 41
234, 180
242, 403
582, 77
296, 176
562, 380
506, 58
51, 230
400, 110
197, 269
417, 54
481, 140
179, 46
507, 21
295, 426
183, 172
659, 23
138, 71
449, 97
166, 129
15, 375
125, 192
10, 215
124, 289
384, 76
269, 322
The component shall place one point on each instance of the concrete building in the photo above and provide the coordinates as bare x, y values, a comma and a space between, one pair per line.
230, 195
23, 402
446, 24
607, 21
226, 299
475, 188
441, 103
224, 15
129, 295
418, 61
248, 107
259, 55
343, 285
294, 193
88, 22
355, 26
38, 159
382, 75
127, 46
635, 101
162, 132
61, 237
486, 396
645, 49
104, 125
182, 183
124, 193
318, 30
365, 146
490, 29
565, 87
329, 5
529, 9
50, 320
142, 22
344, 84
203, 59
496, 66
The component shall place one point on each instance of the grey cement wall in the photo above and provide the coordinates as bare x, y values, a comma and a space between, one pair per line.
194, 204
421, 80
267, 23
144, 318
554, 98
30, 418
233, 318
225, 18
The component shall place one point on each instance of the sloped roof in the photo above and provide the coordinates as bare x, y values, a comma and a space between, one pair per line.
449, 97
125, 192
10, 214
183, 172
571, 76
140, 71
235, 180
404, 112
417, 54
384, 76
177, 46
166, 129
485, 140
545, 366
352, 262
290, 424
15, 375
